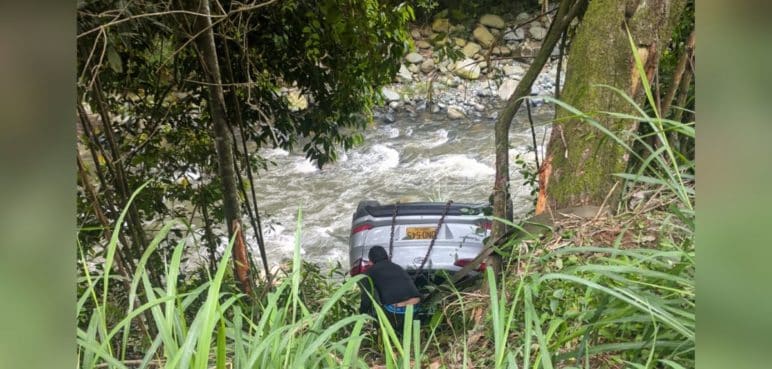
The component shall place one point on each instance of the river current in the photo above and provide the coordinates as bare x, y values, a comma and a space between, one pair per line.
418, 157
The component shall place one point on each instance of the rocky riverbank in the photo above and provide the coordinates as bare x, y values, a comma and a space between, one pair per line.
469, 71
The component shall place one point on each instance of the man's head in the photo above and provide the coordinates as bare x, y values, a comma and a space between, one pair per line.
377, 254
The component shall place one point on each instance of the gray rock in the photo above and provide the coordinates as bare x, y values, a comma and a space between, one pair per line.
452, 82
394, 104
455, 112
492, 20
477, 106
510, 36
501, 50
390, 117
459, 41
537, 32
522, 17
467, 69
520, 34
413, 68
506, 89
435, 108
470, 49
414, 58
427, 66
514, 69
484, 36
404, 73
421, 44
415, 33
390, 95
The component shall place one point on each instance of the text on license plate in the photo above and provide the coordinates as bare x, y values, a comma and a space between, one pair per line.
420, 233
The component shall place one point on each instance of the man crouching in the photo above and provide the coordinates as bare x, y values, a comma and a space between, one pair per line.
394, 289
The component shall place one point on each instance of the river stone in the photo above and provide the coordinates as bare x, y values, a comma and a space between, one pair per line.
413, 68
470, 49
441, 25
537, 32
526, 50
492, 20
404, 73
423, 44
394, 104
513, 70
296, 100
477, 106
389, 94
414, 58
507, 88
501, 50
460, 42
454, 112
427, 66
484, 36
390, 117
467, 69
415, 33
522, 17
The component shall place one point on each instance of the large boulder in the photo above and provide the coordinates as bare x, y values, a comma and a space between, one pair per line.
467, 69
470, 49
506, 89
493, 21
484, 36
414, 58
441, 25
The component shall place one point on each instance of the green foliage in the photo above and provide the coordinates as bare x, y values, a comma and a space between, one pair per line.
138, 56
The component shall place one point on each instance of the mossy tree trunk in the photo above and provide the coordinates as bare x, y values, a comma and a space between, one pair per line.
580, 161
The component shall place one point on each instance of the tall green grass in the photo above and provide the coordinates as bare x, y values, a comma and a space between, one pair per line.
284, 334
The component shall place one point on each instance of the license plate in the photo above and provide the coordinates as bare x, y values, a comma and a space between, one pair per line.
420, 233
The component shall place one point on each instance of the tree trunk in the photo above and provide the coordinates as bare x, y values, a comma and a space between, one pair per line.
580, 159
209, 64
501, 198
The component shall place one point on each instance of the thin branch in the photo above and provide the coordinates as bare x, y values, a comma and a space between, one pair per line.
102, 27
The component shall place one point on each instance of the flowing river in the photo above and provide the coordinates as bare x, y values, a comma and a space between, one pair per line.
419, 157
